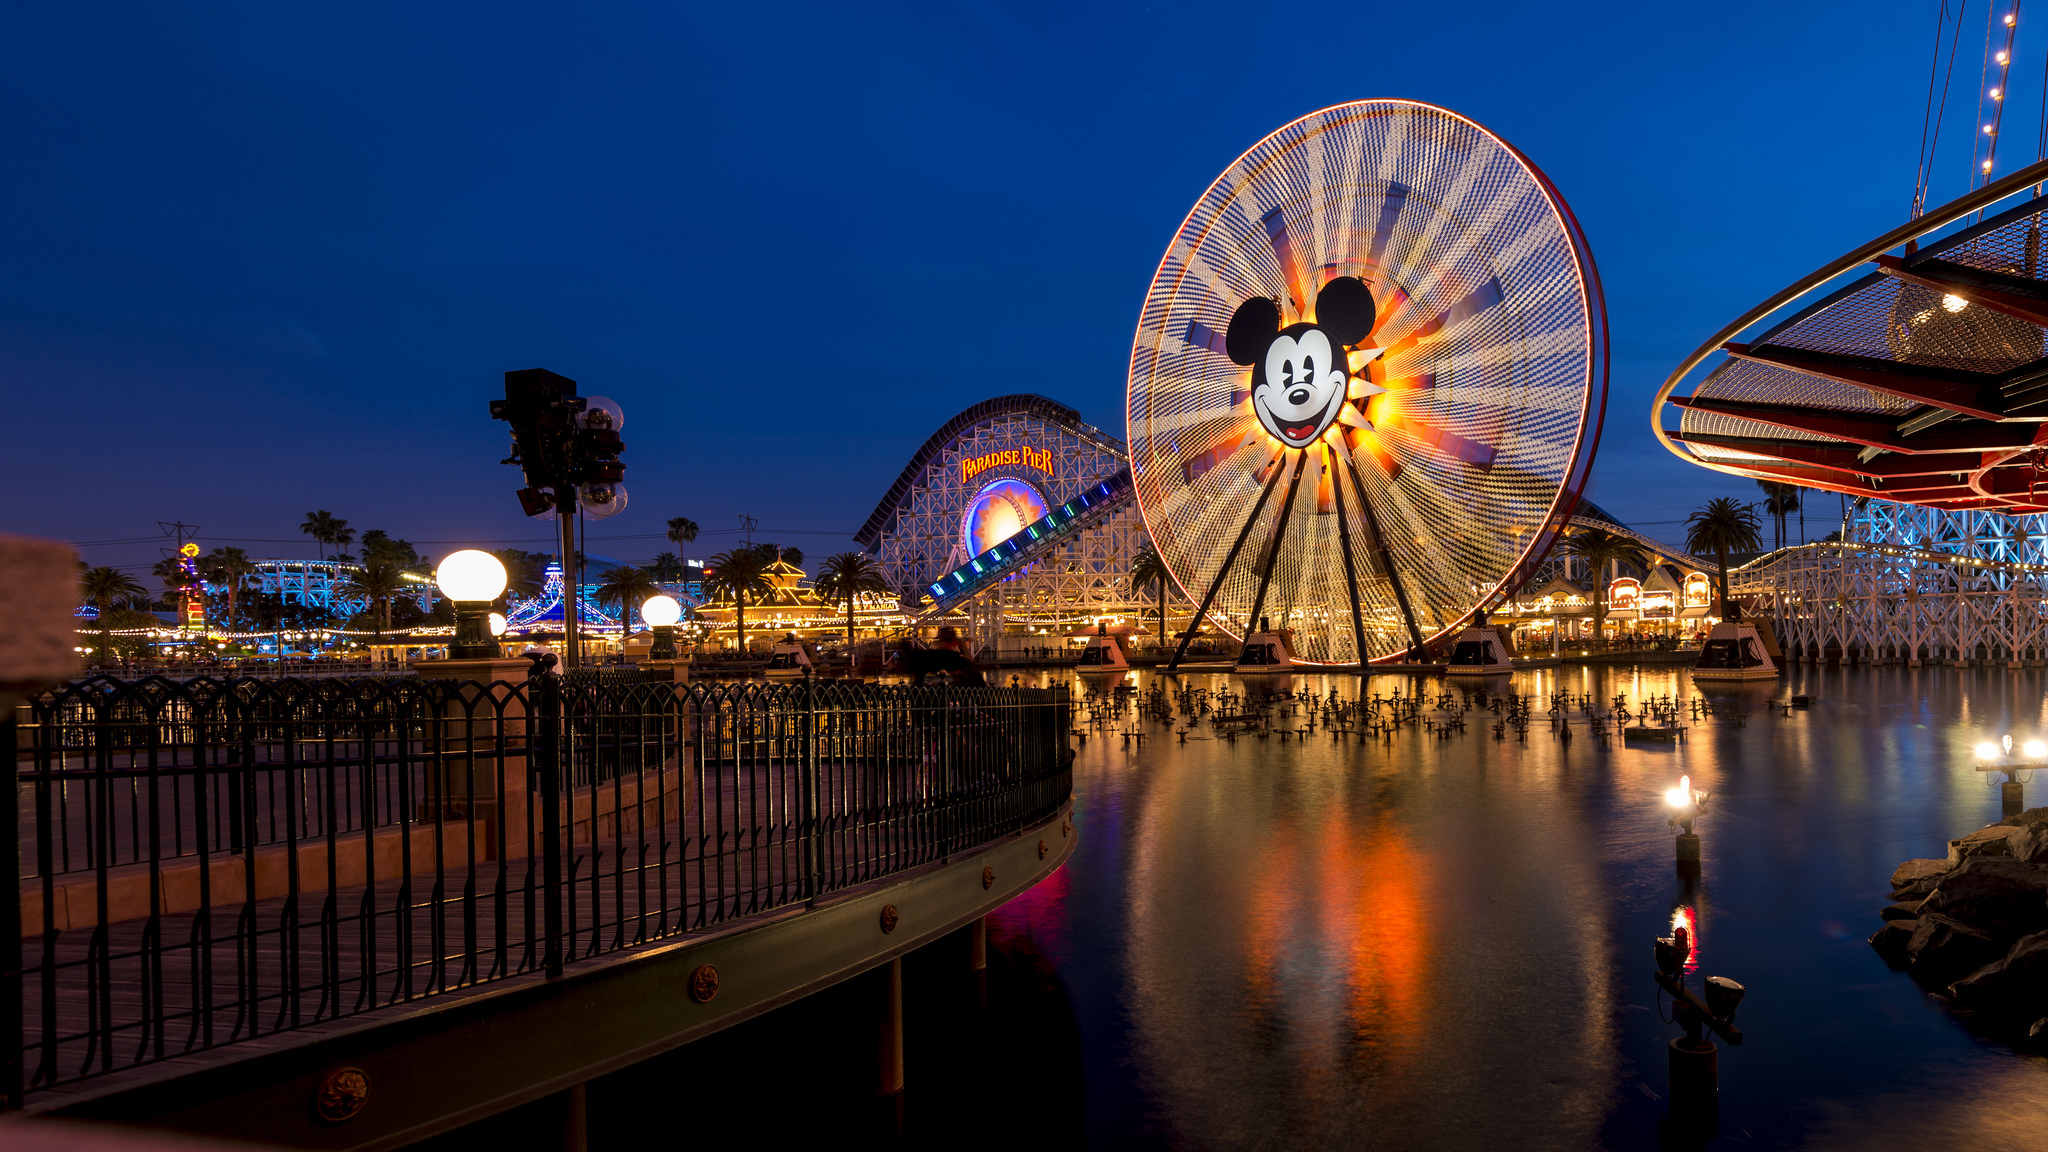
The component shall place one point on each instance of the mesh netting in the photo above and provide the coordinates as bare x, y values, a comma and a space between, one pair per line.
1495, 378
1886, 319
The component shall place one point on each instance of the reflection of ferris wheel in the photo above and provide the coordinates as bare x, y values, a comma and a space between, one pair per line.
1367, 381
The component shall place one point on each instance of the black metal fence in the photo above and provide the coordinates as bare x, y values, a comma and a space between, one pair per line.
208, 861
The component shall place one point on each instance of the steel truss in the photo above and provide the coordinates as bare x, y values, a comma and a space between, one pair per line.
320, 583
916, 536
1912, 585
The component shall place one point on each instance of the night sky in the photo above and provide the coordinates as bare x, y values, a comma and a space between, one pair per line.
265, 259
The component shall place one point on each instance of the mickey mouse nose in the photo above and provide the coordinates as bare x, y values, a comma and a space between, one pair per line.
1298, 397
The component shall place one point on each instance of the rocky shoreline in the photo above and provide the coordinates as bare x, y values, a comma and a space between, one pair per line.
1974, 927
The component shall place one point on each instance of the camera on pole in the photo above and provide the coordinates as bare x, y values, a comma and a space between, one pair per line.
567, 447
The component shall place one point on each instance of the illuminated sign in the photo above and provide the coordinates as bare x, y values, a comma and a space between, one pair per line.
1025, 457
999, 511
192, 596
1699, 592
1625, 594
1657, 605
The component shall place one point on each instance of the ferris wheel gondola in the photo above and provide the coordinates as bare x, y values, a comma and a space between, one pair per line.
1367, 382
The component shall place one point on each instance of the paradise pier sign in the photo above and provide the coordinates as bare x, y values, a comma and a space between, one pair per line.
1025, 457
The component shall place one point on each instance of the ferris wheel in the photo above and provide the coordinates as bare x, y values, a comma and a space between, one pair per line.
1367, 382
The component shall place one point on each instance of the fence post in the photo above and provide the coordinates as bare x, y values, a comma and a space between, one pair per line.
949, 814
11, 1007
807, 732
548, 771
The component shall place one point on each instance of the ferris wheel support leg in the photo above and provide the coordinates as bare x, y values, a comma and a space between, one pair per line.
1223, 570
1300, 465
1350, 566
1379, 544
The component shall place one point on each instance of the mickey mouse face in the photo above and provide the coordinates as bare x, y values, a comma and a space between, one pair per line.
1299, 378
1298, 388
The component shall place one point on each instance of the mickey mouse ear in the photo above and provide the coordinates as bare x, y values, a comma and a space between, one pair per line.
1345, 310
1252, 328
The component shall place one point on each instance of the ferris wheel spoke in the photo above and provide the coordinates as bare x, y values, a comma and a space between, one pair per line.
1378, 543
1223, 570
1300, 465
1275, 225
1478, 300
1344, 546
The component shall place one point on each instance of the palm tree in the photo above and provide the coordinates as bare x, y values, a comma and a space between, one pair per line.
1723, 525
628, 587
227, 566
1780, 501
1148, 568
665, 568
322, 526
844, 576
525, 573
739, 573
103, 586
171, 571
379, 582
681, 531
381, 545
794, 557
1598, 550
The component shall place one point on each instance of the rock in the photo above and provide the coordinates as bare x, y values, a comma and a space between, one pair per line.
1916, 889
1943, 949
2028, 818
1903, 911
2017, 985
2029, 842
2006, 899
1914, 871
1995, 840
1890, 940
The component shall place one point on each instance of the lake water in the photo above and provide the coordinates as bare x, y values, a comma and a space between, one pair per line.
1424, 943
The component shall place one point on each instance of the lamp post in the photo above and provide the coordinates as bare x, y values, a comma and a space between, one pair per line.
1686, 806
1694, 1062
1998, 758
471, 580
661, 614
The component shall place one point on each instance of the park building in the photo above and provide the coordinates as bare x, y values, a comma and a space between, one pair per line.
793, 607
1668, 598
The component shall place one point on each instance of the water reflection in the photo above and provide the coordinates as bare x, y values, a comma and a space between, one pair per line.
1423, 943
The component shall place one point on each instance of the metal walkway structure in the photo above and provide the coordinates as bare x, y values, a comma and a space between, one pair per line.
1925, 380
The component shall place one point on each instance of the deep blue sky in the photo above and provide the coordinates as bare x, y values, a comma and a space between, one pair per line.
262, 259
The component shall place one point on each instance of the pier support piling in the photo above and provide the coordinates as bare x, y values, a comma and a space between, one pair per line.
889, 1029
1688, 854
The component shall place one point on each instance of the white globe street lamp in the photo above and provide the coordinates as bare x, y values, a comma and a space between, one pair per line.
471, 579
661, 613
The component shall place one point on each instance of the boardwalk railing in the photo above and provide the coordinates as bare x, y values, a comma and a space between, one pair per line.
205, 862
